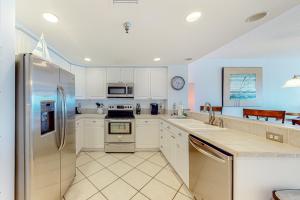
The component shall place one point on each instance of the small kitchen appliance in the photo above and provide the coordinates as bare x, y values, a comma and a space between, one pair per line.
120, 90
154, 108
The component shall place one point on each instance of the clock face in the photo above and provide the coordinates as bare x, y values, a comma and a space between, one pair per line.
177, 82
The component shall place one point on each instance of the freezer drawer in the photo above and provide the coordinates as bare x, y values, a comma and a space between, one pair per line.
211, 171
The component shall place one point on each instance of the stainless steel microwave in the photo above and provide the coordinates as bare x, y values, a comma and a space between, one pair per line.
120, 90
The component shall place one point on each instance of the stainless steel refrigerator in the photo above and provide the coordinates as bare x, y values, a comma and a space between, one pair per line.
45, 129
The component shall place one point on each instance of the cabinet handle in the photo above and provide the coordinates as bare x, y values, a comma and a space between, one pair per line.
94, 121
172, 137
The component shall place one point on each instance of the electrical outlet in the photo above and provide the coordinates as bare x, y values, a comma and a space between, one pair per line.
274, 137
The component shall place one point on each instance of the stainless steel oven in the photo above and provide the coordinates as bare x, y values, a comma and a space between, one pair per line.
120, 90
120, 129
211, 171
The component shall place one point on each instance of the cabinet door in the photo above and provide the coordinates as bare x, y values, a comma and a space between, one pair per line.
173, 152
93, 134
80, 75
96, 83
113, 75
182, 156
142, 83
147, 134
127, 75
79, 135
159, 83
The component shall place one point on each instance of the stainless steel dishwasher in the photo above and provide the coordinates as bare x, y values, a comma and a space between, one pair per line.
211, 171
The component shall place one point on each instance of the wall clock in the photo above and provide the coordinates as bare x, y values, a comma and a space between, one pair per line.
177, 82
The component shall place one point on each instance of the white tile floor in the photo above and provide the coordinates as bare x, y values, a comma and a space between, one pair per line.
138, 176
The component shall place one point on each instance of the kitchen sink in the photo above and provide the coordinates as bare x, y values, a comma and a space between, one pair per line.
195, 125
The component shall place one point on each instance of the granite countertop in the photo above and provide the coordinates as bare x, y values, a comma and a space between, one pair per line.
149, 116
141, 116
93, 116
238, 143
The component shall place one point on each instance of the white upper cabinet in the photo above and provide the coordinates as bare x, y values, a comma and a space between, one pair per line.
95, 83
80, 75
142, 83
127, 75
116, 75
113, 75
159, 83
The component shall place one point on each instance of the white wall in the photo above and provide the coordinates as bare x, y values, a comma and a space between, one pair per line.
274, 46
175, 96
7, 94
206, 74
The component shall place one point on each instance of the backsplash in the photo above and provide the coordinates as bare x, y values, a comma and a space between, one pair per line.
290, 133
144, 103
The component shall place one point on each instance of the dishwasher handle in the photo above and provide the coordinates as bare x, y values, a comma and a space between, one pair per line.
210, 154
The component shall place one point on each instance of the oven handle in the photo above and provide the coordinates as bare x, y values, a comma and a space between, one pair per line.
204, 152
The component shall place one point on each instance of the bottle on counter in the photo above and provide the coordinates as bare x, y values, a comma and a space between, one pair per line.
138, 109
180, 110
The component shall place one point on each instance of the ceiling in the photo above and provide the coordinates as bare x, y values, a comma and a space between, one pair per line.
93, 28
276, 39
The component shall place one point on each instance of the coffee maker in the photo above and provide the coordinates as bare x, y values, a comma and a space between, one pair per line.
154, 108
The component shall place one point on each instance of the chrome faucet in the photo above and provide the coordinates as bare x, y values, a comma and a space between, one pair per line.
211, 118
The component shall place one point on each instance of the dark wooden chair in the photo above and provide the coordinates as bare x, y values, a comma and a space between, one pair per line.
266, 114
214, 108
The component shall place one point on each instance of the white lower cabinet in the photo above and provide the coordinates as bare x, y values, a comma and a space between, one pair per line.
93, 134
174, 145
79, 135
147, 134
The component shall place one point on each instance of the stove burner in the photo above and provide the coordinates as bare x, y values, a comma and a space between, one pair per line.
120, 112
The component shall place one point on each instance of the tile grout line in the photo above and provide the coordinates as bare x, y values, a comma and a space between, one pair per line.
133, 168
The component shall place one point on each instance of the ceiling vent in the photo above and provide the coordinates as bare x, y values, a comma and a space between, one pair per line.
125, 1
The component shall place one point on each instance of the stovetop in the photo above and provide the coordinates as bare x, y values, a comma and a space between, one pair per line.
120, 112
117, 114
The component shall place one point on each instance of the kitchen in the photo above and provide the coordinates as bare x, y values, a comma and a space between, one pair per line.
157, 106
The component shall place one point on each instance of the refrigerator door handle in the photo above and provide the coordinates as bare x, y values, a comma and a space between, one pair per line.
65, 118
62, 118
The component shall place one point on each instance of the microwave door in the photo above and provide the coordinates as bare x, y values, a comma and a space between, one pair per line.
116, 91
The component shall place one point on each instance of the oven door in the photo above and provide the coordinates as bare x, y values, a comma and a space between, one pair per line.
119, 131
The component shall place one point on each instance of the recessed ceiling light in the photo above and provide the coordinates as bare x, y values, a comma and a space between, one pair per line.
156, 59
50, 17
87, 59
194, 16
256, 17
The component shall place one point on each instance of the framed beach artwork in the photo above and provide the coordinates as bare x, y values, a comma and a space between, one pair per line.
242, 86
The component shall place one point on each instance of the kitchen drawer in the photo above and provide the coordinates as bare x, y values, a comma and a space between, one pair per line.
146, 121
94, 122
170, 127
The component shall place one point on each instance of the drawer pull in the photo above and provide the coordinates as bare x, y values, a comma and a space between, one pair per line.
173, 137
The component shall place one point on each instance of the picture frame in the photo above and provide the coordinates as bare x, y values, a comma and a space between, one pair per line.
242, 86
